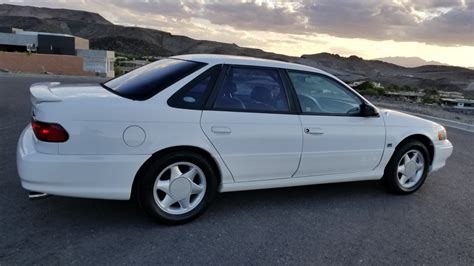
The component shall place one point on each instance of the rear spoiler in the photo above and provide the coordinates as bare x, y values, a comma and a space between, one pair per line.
41, 92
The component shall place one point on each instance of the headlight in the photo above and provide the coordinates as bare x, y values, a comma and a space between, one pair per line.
442, 134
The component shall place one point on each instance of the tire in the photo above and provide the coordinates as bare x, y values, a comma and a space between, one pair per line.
398, 183
172, 174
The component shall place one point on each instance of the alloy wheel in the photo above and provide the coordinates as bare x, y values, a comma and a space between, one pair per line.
410, 169
179, 188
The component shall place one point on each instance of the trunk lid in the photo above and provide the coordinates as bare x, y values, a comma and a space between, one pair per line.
55, 92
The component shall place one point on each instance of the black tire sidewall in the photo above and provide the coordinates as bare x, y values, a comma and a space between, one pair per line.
391, 171
146, 184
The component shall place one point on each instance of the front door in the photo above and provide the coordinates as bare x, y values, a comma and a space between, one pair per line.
337, 139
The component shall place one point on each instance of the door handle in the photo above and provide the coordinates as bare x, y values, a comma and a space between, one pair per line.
314, 131
224, 130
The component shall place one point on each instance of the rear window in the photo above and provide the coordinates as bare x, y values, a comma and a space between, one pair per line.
145, 82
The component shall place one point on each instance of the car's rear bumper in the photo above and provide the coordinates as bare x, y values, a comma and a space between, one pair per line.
442, 151
87, 176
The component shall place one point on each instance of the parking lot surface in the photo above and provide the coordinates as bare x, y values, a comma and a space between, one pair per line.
349, 223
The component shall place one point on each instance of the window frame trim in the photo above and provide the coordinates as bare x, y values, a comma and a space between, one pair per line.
344, 86
208, 91
292, 108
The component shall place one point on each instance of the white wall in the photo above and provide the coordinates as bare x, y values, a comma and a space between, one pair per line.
98, 61
18, 39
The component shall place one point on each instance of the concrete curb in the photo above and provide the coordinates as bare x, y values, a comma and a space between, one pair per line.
446, 122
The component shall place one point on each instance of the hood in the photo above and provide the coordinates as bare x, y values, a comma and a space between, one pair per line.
398, 119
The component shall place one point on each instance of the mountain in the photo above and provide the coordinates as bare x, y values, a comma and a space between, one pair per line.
149, 42
50, 13
409, 61
356, 68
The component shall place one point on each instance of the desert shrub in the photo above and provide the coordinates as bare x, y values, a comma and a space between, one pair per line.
431, 96
367, 88
393, 87
370, 92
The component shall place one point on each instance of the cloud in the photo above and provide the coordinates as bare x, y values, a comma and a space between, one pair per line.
454, 27
430, 4
434, 22
387, 20
376, 20
253, 16
170, 8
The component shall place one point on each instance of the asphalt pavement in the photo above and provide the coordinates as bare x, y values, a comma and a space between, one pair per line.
348, 223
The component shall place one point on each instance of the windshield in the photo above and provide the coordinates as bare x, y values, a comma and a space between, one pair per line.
145, 82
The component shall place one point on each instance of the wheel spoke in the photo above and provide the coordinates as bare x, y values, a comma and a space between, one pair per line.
403, 179
175, 172
401, 169
168, 201
419, 166
185, 203
163, 185
406, 159
190, 174
415, 157
195, 188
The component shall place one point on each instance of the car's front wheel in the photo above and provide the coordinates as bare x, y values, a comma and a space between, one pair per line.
177, 188
407, 169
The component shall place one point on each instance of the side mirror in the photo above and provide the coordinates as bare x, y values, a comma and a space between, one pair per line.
368, 110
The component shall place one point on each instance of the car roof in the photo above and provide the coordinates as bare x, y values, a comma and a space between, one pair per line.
214, 59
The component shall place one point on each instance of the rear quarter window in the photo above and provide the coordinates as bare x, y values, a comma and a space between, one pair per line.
145, 82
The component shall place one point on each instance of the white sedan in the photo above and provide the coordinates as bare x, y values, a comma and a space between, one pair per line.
173, 133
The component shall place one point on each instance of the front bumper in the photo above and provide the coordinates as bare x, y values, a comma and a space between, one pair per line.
442, 150
86, 176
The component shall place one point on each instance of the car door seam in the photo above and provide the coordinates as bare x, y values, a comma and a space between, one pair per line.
302, 146
215, 148
384, 143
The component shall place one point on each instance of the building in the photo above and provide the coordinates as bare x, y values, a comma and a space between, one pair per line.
11, 42
409, 95
95, 62
18, 40
458, 103
374, 84
464, 106
356, 83
125, 66
98, 61
451, 94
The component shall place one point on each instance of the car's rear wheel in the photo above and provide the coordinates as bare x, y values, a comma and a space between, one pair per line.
407, 170
177, 188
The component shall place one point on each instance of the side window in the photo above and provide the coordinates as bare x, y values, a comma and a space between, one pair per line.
319, 94
252, 89
194, 94
147, 81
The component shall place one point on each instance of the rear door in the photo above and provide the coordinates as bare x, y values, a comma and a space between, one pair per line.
337, 139
252, 124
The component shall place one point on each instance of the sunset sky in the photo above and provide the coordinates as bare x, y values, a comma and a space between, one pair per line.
440, 30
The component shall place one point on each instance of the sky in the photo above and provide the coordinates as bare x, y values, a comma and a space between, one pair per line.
439, 30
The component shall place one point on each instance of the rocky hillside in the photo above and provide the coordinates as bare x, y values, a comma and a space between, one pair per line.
410, 61
50, 13
143, 42
356, 68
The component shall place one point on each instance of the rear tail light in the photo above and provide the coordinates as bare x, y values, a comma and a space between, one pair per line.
49, 132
